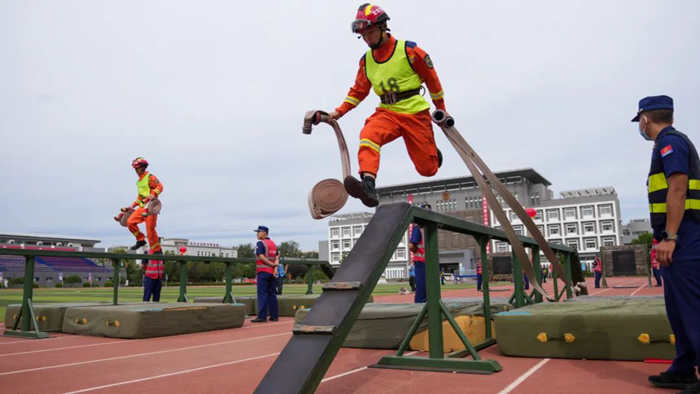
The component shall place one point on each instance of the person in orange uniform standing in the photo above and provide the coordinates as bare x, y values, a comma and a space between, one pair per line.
149, 188
395, 70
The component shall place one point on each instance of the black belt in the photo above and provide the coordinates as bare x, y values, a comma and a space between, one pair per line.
395, 97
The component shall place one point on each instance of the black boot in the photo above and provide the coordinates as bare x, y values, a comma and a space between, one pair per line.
673, 380
691, 389
439, 158
364, 190
137, 245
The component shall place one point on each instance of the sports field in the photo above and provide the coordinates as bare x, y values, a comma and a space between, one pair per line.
234, 360
170, 294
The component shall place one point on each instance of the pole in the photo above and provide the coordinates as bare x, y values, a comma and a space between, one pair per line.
228, 298
28, 293
432, 284
309, 279
483, 242
538, 270
183, 281
115, 281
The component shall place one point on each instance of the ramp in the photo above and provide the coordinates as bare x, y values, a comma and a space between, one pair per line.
317, 339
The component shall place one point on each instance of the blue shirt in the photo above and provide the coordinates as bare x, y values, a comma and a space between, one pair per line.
260, 248
678, 162
416, 235
412, 271
280, 269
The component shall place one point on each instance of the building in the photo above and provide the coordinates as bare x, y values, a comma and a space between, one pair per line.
634, 229
586, 219
49, 271
196, 248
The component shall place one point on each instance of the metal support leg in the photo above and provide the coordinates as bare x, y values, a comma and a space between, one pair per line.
183, 282
538, 271
26, 314
483, 242
432, 285
115, 281
567, 276
228, 297
518, 299
309, 280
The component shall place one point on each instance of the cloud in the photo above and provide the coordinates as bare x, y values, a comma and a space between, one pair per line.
213, 95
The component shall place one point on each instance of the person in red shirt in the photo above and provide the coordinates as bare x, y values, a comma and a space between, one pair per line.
597, 271
152, 279
395, 70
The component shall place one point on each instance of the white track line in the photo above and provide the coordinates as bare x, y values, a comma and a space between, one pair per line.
639, 288
61, 348
522, 377
140, 354
352, 371
35, 340
184, 371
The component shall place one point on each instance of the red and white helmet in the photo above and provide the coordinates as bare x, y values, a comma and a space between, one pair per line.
139, 162
368, 15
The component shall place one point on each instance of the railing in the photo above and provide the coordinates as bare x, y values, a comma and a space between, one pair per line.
26, 314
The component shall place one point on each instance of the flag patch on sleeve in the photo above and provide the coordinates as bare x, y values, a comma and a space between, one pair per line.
666, 150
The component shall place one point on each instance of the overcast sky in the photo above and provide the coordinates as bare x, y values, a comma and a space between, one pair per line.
213, 93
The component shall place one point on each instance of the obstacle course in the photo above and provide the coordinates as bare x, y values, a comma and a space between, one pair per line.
604, 328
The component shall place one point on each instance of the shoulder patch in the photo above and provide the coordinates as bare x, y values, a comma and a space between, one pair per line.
410, 44
666, 150
428, 61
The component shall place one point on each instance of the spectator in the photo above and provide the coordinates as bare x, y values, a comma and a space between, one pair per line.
597, 271
152, 278
265, 264
279, 276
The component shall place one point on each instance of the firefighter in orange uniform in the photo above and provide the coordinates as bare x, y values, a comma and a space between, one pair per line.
395, 70
149, 188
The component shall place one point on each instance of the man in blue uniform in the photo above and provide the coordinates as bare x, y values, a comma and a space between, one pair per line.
674, 205
417, 246
265, 264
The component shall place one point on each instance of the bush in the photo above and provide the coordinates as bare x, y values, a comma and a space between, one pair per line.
35, 285
59, 285
86, 284
16, 281
73, 279
109, 283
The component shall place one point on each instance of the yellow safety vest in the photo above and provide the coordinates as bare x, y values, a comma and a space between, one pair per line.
143, 188
396, 75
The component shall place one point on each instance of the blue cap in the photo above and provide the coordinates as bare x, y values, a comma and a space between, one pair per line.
262, 228
651, 103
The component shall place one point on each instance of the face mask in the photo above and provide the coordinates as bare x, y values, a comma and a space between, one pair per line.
642, 133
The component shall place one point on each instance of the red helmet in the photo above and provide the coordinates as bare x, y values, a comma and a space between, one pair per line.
368, 15
139, 162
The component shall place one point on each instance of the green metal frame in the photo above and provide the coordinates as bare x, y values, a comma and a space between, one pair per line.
435, 309
29, 327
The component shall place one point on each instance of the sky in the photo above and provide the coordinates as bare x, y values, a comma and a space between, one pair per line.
213, 94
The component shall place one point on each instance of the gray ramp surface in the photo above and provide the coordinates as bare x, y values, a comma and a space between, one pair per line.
307, 356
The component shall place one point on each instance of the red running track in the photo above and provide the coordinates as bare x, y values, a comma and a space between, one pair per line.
234, 361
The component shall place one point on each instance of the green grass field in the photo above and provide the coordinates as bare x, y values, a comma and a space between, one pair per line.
169, 294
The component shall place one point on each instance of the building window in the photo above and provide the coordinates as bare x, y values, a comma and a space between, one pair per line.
605, 210
335, 257
553, 214
570, 213
587, 212
538, 216
347, 244
555, 241
588, 227
608, 241
501, 247
540, 227
357, 230
335, 232
590, 243
518, 230
553, 230
607, 226
346, 232
513, 216
335, 245
571, 228
572, 243
401, 253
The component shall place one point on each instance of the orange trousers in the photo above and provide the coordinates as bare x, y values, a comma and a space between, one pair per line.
132, 225
385, 126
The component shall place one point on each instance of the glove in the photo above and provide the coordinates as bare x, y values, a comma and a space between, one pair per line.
124, 209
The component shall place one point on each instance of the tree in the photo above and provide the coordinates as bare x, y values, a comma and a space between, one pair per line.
246, 250
310, 255
290, 249
644, 239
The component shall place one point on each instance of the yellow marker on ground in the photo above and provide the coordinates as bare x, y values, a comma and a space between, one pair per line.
644, 338
542, 337
569, 337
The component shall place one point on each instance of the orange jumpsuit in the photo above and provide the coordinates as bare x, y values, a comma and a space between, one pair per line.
156, 187
385, 126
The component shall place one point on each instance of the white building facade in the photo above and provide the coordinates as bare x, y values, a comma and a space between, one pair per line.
585, 220
196, 248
